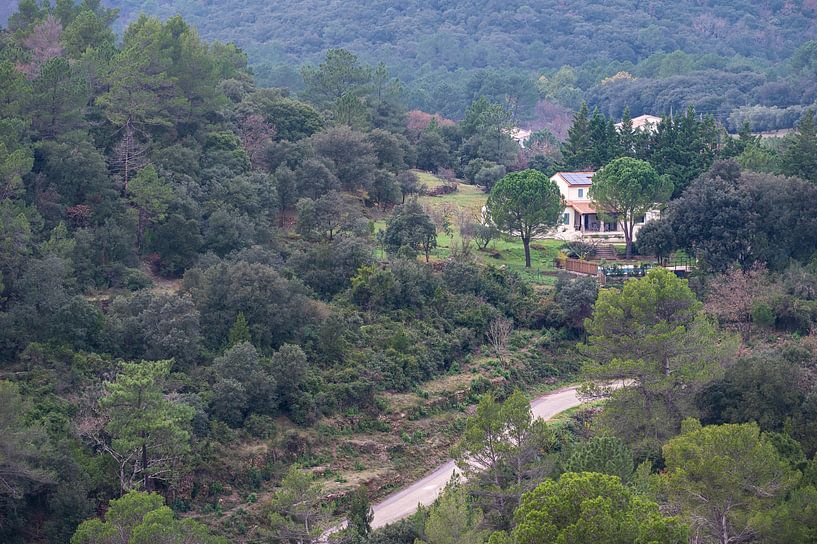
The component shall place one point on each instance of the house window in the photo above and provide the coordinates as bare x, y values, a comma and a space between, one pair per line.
641, 219
581, 193
566, 219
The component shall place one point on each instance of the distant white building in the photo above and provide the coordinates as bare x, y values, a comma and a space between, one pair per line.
521, 135
580, 217
648, 123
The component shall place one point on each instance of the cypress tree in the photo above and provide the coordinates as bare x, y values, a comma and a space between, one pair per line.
614, 149
626, 135
576, 149
683, 148
735, 146
800, 156
598, 152
361, 513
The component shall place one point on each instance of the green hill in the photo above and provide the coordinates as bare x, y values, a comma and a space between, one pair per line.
718, 55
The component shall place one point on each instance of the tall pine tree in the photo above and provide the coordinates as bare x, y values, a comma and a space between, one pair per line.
800, 156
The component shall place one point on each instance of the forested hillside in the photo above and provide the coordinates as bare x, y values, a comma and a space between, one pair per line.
238, 313
719, 56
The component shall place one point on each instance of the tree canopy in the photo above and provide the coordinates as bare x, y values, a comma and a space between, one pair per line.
526, 204
142, 518
215, 318
585, 506
721, 473
627, 189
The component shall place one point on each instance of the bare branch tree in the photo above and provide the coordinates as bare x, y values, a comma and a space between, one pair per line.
256, 136
733, 296
129, 155
498, 334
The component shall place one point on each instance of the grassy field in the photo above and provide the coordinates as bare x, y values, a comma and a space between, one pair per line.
508, 251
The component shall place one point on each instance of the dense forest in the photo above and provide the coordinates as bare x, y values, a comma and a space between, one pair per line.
735, 60
232, 312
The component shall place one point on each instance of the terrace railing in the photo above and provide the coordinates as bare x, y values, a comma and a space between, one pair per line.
578, 266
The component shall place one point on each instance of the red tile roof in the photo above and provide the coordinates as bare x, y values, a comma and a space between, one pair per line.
582, 207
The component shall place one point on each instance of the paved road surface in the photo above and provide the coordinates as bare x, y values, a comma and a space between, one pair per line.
425, 491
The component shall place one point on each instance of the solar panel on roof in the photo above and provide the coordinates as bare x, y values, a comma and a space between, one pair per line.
578, 179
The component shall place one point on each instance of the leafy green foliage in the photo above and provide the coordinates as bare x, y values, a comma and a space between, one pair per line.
142, 518
794, 520
603, 454
451, 520
768, 390
526, 203
154, 326
410, 228
656, 238
504, 449
23, 449
275, 308
627, 189
651, 331
755, 206
683, 147
586, 506
719, 474
245, 384
240, 331
296, 511
361, 513
149, 434
799, 157
576, 296
712, 56
190, 299
339, 76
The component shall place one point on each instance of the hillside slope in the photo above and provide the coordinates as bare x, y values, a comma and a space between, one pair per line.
449, 53
467, 34
720, 56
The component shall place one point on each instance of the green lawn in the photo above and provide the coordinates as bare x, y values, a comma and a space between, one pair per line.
506, 251
468, 197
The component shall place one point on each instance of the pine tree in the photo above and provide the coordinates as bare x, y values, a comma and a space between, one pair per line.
297, 509
145, 433
800, 156
130, 154
735, 146
150, 195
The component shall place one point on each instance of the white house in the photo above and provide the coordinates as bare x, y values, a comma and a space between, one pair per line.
521, 135
579, 217
648, 123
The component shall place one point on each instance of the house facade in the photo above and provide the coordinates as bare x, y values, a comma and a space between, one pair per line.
580, 217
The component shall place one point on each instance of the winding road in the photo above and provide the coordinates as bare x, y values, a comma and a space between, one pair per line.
404, 503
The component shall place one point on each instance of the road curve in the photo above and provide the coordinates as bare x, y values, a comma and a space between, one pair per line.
425, 491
